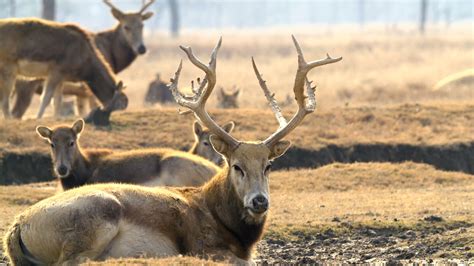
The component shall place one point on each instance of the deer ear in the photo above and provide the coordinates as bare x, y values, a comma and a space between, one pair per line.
219, 145
147, 15
236, 93
44, 132
279, 149
229, 126
120, 86
117, 14
78, 126
197, 128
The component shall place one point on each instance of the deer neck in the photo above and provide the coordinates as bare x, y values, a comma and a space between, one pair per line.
101, 79
122, 55
81, 171
228, 211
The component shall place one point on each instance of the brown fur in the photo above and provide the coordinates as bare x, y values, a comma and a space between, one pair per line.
202, 143
113, 220
150, 167
115, 48
59, 52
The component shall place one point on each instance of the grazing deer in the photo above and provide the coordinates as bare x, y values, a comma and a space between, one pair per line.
228, 100
224, 217
151, 167
202, 143
119, 46
58, 52
158, 92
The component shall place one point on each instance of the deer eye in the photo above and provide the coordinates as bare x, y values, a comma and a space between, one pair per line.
127, 28
205, 143
71, 143
52, 144
238, 169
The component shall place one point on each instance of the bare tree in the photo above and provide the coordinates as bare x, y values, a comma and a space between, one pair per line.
424, 8
49, 9
175, 19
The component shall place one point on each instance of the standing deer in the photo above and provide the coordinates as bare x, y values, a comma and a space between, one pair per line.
119, 46
224, 217
202, 143
58, 52
75, 167
228, 100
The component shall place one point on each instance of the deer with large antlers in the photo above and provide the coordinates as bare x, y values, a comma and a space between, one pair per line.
120, 46
224, 217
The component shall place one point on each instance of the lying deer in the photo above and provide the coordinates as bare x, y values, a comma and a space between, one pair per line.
224, 217
58, 52
158, 92
119, 46
75, 167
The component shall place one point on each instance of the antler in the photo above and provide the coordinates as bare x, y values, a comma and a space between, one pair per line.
197, 102
304, 107
145, 6
107, 2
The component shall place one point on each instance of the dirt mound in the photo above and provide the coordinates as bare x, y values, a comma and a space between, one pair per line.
28, 167
454, 157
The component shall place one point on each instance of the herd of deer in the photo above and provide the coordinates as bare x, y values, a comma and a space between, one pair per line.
210, 201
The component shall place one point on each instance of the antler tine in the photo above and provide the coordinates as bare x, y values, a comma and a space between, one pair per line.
270, 97
145, 6
200, 98
208, 70
107, 2
304, 68
304, 107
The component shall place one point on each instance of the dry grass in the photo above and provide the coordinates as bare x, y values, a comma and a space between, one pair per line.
379, 67
407, 124
368, 193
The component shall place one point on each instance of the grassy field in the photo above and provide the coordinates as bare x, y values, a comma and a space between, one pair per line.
380, 67
381, 94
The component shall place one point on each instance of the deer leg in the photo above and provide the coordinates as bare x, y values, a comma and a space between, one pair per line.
23, 98
7, 83
51, 85
93, 102
81, 103
58, 101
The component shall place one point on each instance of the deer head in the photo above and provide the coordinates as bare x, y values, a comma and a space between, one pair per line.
202, 143
131, 25
228, 100
64, 145
248, 162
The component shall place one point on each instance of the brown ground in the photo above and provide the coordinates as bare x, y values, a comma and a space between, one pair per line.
406, 124
391, 210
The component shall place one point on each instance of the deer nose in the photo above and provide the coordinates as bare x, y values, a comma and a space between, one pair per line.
62, 170
260, 204
141, 49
